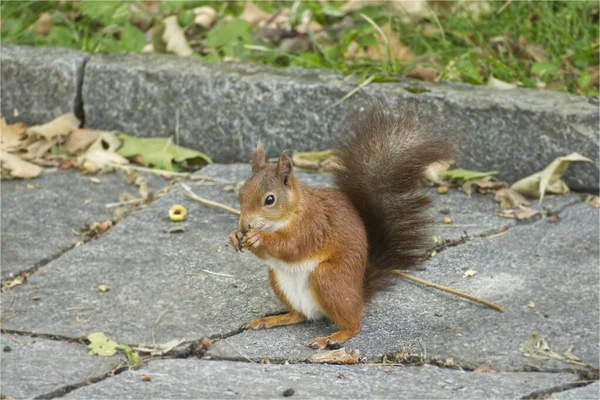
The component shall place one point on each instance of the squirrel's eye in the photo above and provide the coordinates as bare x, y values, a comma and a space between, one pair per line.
269, 200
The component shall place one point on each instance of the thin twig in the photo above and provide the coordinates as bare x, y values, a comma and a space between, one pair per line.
2, 323
218, 273
449, 290
171, 173
351, 93
187, 191
156, 324
124, 203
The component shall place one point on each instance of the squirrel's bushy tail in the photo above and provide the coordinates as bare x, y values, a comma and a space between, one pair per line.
382, 163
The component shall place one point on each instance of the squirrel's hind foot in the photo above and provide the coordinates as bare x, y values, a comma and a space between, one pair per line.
333, 341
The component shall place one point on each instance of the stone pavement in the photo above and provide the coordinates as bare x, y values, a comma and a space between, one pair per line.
416, 342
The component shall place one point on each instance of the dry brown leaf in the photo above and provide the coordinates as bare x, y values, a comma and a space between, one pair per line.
518, 213
398, 49
101, 154
80, 139
508, 198
307, 23
205, 16
18, 167
175, 38
37, 149
469, 273
483, 185
60, 126
279, 20
427, 74
535, 52
42, 26
483, 368
12, 136
548, 180
338, 356
593, 201
500, 85
253, 15
433, 170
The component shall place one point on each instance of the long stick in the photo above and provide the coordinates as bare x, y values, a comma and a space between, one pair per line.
187, 191
449, 290
172, 173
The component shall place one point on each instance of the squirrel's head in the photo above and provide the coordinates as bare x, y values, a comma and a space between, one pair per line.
269, 194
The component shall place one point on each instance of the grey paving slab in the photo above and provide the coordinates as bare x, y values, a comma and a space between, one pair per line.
37, 366
40, 83
589, 392
195, 379
224, 109
166, 284
39, 216
553, 265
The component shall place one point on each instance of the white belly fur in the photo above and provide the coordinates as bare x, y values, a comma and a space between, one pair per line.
293, 282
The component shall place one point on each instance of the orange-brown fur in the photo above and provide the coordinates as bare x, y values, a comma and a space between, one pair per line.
338, 227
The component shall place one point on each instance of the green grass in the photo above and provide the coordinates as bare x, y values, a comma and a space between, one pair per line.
548, 44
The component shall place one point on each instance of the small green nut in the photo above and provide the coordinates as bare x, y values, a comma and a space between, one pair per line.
177, 213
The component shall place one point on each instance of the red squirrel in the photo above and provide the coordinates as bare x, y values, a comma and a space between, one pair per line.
329, 250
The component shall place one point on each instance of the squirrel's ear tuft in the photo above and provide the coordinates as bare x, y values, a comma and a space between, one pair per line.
284, 168
258, 159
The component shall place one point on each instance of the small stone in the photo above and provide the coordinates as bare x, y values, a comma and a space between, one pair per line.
442, 189
145, 378
445, 210
7, 349
288, 392
447, 220
36, 298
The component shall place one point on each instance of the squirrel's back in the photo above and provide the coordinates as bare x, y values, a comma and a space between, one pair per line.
382, 161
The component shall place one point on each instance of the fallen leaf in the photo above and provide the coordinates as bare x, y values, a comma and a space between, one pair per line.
100, 344
537, 348
483, 185
175, 39
427, 74
483, 368
15, 282
593, 201
37, 149
312, 159
500, 85
252, 14
42, 25
519, 213
465, 174
132, 356
18, 167
338, 356
12, 136
399, 51
548, 180
468, 273
80, 139
60, 126
508, 198
161, 153
101, 154
534, 51
433, 171
205, 16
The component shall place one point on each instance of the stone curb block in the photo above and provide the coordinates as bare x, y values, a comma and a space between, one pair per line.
39, 84
223, 109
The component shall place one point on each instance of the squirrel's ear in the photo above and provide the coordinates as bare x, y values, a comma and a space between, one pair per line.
284, 168
258, 159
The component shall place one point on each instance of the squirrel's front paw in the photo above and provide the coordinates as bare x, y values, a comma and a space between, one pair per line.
251, 239
235, 239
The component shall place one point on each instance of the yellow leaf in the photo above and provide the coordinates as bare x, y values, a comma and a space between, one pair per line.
548, 180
